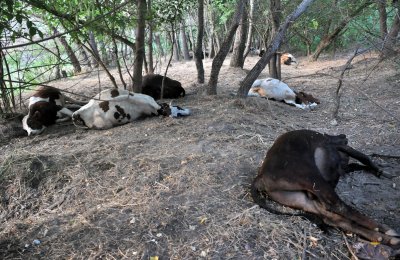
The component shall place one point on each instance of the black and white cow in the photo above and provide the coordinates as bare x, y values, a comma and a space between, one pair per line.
47, 107
278, 90
152, 83
113, 107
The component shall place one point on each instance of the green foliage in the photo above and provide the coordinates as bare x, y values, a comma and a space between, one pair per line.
224, 9
171, 11
12, 12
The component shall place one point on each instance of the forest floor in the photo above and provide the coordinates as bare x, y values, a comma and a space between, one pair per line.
164, 188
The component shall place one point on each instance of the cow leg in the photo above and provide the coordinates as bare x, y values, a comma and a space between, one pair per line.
72, 106
333, 219
327, 196
362, 158
65, 111
300, 200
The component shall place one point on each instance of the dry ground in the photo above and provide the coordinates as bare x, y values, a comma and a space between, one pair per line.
179, 188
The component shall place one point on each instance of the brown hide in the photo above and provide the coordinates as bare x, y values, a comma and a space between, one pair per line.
302, 169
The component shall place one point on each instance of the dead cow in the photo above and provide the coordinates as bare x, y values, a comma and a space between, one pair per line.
152, 83
113, 107
286, 58
46, 107
302, 169
278, 90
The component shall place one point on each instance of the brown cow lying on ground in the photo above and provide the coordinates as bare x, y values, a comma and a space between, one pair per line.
286, 58
152, 83
47, 107
302, 169
113, 107
278, 90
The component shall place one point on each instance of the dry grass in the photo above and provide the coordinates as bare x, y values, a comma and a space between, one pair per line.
179, 188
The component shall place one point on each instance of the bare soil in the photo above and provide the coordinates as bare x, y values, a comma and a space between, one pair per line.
179, 188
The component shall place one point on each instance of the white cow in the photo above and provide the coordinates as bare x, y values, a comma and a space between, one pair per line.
113, 107
278, 90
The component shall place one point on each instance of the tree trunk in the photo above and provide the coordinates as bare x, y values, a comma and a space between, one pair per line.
328, 39
390, 41
85, 57
272, 48
159, 45
175, 49
139, 55
104, 56
199, 44
59, 61
211, 54
184, 42
70, 53
150, 41
115, 49
93, 45
237, 59
250, 33
382, 18
275, 10
211, 46
221, 55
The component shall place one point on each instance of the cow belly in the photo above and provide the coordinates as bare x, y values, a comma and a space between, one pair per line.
121, 113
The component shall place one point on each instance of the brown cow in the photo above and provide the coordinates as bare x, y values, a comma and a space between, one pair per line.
302, 169
286, 58
47, 107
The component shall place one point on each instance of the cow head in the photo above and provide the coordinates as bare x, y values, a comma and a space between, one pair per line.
288, 59
306, 99
41, 114
172, 111
32, 124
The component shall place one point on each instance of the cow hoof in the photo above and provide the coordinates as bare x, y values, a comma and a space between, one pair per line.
392, 233
395, 241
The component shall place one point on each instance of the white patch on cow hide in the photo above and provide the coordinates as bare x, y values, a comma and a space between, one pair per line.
177, 111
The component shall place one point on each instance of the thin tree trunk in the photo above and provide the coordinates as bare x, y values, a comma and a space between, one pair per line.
70, 53
93, 45
221, 55
103, 50
211, 19
273, 47
85, 57
250, 33
150, 42
237, 59
275, 9
390, 41
58, 69
100, 62
328, 39
382, 18
174, 44
199, 44
121, 77
184, 42
211, 55
159, 45
139, 55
